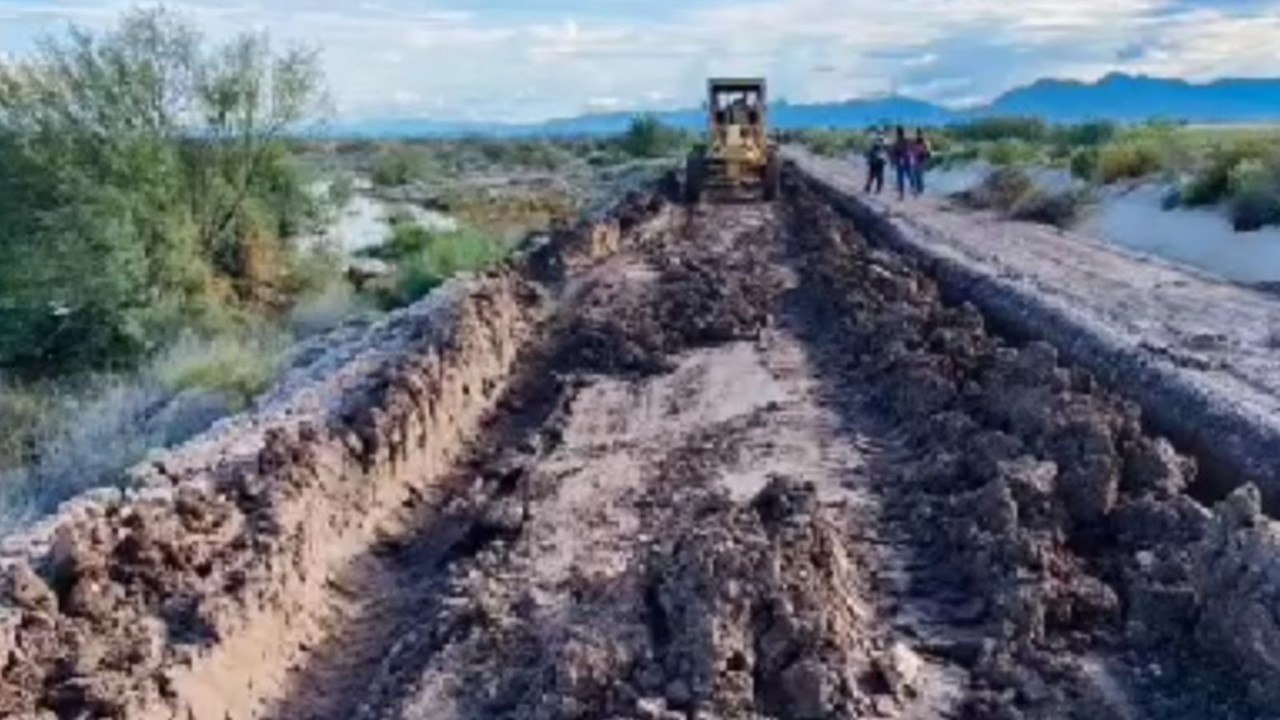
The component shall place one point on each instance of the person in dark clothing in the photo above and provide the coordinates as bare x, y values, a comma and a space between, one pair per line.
920, 153
900, 156
877, 158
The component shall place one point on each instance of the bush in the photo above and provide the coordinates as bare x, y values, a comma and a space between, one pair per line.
1059, 209
1211, 182
1090, 134
425, 259
407, 238
999, 190
118, 227
1010, 152
236, 366
1012, 192
27, 414
648, 137
92, 431
397, 167
1084, 164
1255, 195
1025, 129
341, 191
834, 143
326, 309
1128, 160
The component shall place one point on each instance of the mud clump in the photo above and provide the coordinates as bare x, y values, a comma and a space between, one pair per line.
689, 298
758, 612
1044, 498
742, 611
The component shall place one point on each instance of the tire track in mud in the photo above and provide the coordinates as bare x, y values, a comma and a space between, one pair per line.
757, 469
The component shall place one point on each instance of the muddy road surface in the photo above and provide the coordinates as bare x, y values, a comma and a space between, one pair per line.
757, 470
753, 467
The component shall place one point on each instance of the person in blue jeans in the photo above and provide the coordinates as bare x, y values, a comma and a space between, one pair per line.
900, 156
919, 152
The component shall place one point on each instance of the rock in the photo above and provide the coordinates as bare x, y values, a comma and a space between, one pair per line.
1090, 489
1242, 508
678, 693
1237, 581
806, 690
1154, 466
655, 709
28, 591
1149, 522
900, 668
1031, 483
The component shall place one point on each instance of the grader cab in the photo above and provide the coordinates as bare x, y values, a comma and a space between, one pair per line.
738, 159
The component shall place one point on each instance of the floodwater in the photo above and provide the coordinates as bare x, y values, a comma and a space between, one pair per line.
1201, 238
365, 221
1133, 218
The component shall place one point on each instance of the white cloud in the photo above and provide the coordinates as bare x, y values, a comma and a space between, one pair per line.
426, 57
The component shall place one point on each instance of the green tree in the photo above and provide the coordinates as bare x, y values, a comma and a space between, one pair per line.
648, 137
141, 172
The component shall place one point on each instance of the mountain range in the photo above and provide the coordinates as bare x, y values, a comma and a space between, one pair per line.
1117, 97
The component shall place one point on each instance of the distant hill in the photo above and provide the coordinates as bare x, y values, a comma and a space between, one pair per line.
1118, 97
1128, 98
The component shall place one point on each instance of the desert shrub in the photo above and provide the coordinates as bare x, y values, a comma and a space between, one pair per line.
407, 238
238, 367
1212, 179
1026, 129
341, 190
1012, 192
649, 137
1010, 152
834, 143
26, 414
446, 255
1089, 134
96, 428
424, 259
1061, 209
999, 190
1255, 195
1129, 159
1084, 164
956, 155
400, 166
326, 309
537, 155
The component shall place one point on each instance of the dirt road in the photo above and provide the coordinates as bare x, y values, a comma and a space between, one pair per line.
735, 504
752, 466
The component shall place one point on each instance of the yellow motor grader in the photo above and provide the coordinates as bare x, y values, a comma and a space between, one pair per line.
738, 159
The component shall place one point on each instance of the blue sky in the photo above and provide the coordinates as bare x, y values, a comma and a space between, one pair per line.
530, 59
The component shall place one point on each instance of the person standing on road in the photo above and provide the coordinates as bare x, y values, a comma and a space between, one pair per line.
900, 156
920, 152
877, 158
